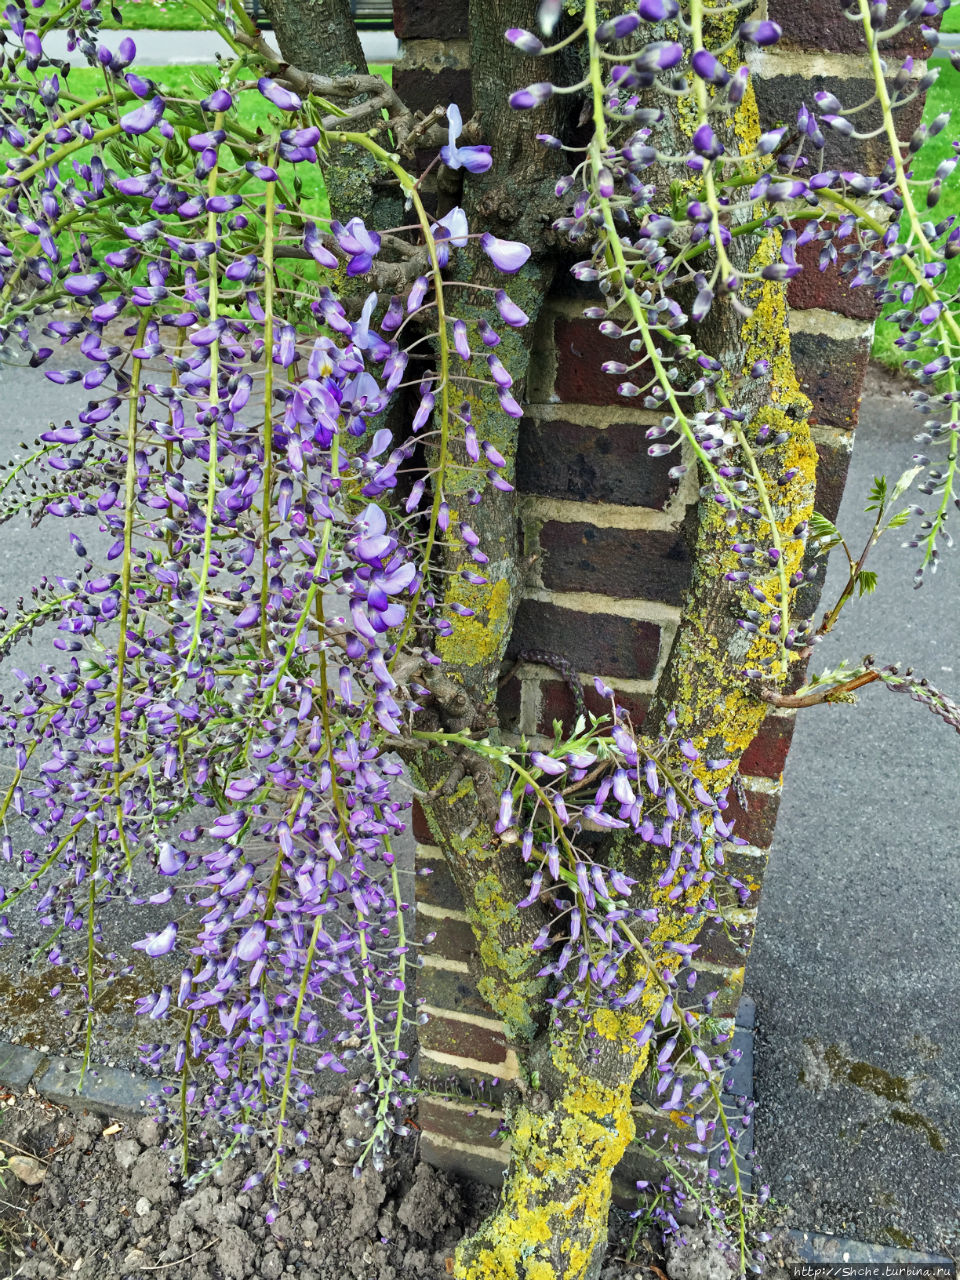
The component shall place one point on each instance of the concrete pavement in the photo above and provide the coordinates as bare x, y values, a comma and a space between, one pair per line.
855, 967
162, 48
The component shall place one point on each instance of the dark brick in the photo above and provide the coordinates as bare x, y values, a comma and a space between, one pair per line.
463, 1082
779, 98
756, 823
599, 642
648, 564
422, 90
717, 948
767, 753
438, 889
749, 870
581, 350
508, 704
831, 373
828, 288
557, 703
483, 1169
833, 463
589, 464
110, 1091
728, 985
454, 939
456, 992
820, 24
434, 1117
449, 1035
426, 20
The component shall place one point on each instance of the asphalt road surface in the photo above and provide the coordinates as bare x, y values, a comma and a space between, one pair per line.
855, 967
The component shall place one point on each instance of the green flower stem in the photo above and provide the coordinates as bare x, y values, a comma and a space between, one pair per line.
212, 461
129, 504
615, 254
268, 301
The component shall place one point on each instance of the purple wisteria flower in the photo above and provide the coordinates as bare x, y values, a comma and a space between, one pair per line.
143, 119
475, 159
360, 245
284, 99
507, 256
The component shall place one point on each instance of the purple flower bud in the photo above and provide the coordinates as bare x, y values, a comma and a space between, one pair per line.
547, 764
219, 100
509, 311
658, 10
144, 118
507, 256
709, 68
760, 32
618, 28
284, 99
706, 143
659, 55
525, 41
83, 286
460, 341
534, 95
137, 85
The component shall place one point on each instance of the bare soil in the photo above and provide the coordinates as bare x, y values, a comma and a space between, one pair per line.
108, 1207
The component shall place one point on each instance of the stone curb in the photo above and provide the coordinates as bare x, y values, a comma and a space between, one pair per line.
817, 1247
111, 1091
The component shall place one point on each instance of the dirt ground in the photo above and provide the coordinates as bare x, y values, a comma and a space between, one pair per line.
107, 1207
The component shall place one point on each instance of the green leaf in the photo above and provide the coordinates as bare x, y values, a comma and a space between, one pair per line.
878, 494
825, 534
901, 518
904, 483
866, 582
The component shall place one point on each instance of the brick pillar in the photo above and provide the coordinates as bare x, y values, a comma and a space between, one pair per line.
605, 526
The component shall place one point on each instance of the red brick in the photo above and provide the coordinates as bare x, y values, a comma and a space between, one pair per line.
465, 1040
767, 753
624, 563
756, 823
820, 25
557, 703
424, 19
828, 289
599, 642
421, 828
578, 463
423, 90
581, 350
831, 372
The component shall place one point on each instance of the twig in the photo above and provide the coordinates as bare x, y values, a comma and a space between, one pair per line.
14, 1147
164, 1266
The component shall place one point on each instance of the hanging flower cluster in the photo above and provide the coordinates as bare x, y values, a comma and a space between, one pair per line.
215, 742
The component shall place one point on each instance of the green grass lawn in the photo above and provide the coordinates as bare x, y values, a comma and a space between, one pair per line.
944, 96
181, 81
155, 15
